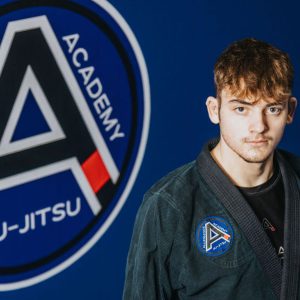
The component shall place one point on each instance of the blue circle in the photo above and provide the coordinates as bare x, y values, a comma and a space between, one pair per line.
64, 211
214, 236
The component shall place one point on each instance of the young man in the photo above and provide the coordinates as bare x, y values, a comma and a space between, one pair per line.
227, 226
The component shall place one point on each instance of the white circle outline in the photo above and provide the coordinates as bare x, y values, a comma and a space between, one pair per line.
111, 10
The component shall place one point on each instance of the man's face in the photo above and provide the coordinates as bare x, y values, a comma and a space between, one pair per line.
252, 130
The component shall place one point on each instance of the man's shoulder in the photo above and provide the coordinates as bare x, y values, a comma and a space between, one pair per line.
174, 177
177, 185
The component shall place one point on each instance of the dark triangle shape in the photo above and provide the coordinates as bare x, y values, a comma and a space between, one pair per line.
31, 122
212, 233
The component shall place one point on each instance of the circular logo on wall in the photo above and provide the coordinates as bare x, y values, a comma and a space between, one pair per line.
74, 119
214, 236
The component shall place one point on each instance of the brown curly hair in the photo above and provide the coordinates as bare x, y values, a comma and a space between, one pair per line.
253, 69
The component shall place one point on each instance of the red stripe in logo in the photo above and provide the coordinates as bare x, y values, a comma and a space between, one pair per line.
95, 171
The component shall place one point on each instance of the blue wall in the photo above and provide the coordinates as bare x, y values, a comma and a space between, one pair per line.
180, 42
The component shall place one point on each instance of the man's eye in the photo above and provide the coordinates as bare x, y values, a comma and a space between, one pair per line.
240, 109
274, 110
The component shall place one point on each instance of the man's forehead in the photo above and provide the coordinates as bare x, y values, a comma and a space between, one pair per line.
227, 95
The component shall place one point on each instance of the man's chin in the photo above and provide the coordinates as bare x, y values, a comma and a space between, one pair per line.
255, 158
254, 161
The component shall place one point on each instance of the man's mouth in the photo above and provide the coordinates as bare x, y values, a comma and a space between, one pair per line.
257, 142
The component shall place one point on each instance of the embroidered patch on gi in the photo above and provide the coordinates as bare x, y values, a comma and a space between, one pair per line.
214, 236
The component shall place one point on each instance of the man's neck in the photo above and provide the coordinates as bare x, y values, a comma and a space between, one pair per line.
241, 172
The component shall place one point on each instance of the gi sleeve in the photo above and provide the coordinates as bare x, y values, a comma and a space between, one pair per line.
148, 264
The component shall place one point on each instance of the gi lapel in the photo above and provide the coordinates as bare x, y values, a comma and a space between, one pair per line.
241, 212
291, 265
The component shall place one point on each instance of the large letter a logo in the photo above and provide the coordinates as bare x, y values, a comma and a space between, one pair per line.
63, 175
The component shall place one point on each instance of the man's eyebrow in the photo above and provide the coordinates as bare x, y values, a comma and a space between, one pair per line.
282, 103
240, 101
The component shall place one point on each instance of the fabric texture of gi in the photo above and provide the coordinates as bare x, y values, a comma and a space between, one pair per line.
164, 261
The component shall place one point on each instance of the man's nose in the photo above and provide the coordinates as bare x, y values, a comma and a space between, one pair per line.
258, 122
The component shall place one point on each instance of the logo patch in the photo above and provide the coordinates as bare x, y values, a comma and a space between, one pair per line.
74, 120
267, 225
214, 236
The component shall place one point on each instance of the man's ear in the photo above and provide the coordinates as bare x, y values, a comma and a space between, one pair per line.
212, 105
292, 104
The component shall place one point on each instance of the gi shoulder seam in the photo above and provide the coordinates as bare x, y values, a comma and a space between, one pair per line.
163, 196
